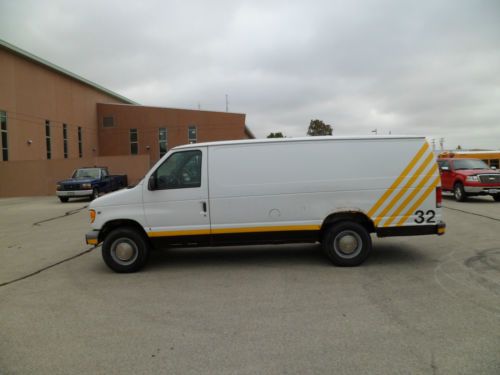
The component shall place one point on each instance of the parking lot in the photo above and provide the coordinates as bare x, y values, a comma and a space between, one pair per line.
419, 305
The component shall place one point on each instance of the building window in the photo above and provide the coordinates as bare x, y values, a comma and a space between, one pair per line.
162, 141
65, 140
80, 145
192, 134
3, 130
108, 122
134, 145
47, 139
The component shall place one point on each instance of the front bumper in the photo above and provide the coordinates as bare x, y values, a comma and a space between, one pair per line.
73, 193
92, 238
482, 189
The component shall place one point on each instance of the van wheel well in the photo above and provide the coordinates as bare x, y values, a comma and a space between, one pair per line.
111, 225
357, 217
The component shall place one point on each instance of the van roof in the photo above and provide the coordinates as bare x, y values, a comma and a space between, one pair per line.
300, 139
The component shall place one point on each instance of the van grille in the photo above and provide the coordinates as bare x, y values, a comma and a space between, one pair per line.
489, 178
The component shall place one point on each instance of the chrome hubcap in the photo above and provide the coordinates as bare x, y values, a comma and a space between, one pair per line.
348, 244
124, 251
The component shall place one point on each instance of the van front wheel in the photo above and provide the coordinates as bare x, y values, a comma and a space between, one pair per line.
347, 244
125, 250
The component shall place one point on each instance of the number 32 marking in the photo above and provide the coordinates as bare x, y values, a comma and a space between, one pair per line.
421, 216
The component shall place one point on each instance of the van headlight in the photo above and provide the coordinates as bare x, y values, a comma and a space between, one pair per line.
58, 187
472, 179
86, 186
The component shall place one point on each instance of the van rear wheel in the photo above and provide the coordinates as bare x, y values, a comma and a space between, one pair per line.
125, 250
347, 244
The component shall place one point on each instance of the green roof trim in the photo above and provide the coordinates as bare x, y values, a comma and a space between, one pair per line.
47, 64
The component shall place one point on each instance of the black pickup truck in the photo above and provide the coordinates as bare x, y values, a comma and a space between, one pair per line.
89, 182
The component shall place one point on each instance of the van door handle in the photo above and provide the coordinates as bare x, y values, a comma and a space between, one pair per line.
204, 207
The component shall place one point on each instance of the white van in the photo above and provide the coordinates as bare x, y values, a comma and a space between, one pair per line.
333, 190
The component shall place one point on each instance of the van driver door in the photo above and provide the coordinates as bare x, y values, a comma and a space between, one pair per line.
176, 199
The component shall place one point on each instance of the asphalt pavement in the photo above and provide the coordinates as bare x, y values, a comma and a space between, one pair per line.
419, 305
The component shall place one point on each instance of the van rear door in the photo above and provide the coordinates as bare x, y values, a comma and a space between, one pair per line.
176, 198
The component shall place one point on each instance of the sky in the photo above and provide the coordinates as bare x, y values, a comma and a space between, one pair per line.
427, 68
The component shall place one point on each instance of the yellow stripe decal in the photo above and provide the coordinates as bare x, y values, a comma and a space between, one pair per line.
404, 189
434, 171
234, 230
408, 199
426, 193
266, 229
401, 177
193, 232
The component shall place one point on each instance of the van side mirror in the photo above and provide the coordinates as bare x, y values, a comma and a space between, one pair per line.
152, 182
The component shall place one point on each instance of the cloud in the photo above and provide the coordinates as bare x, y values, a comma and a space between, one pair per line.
429, 68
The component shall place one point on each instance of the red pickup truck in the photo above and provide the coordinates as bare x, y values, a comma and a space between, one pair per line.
468, 177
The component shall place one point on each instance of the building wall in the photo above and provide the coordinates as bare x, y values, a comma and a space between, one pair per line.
30, 94
211, 126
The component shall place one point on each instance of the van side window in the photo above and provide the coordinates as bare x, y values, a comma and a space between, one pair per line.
181, 170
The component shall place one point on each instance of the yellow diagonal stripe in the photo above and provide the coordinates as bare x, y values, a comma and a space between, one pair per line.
405, 188
401, 177
419, 202
410, 197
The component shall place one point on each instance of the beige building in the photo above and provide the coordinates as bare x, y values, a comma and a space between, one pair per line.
53, 121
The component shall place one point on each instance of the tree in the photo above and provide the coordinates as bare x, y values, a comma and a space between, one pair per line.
318, 127
276, 135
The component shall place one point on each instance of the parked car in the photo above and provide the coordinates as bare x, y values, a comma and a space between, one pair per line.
89, 182
332, 190
469, 177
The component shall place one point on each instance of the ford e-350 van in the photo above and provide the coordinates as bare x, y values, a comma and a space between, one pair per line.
333, 190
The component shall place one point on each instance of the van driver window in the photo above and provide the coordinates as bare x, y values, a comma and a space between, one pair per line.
180, 170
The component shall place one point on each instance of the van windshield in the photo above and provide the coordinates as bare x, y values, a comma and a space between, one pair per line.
470, 164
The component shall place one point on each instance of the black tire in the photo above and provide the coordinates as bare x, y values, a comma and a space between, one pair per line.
459, 192
352, 234
95, 194
125, 250
496, 197
63, 199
